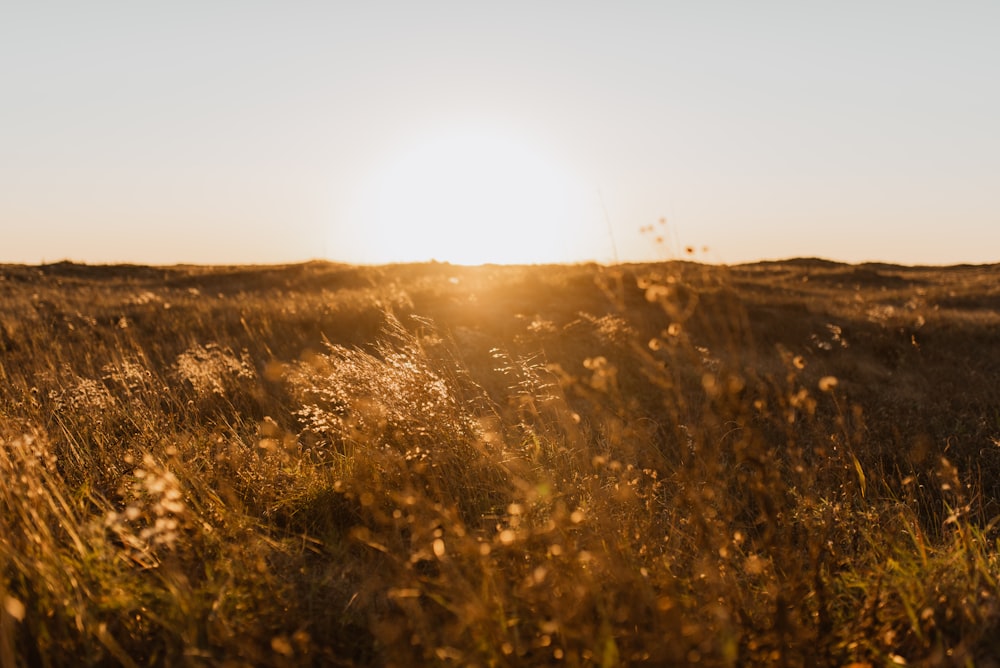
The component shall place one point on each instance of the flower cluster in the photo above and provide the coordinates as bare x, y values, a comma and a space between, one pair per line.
154, 513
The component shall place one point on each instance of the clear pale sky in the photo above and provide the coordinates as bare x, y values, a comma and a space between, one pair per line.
265, 132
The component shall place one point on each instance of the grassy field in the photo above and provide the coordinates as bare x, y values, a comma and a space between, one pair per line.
790, 463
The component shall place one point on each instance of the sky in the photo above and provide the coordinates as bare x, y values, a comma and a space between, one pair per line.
543, 131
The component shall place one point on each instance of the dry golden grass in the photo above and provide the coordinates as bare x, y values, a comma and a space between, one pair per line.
790, 463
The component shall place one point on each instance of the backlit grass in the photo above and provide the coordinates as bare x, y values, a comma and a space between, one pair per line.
789, 463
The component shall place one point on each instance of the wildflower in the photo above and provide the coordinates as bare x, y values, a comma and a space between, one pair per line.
827, 383
212, 369
14, 608
655, 293
281, 646
439, 548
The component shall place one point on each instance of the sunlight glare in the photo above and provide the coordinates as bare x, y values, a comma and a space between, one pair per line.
472, 197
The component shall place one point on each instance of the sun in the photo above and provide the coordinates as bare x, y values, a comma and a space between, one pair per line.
471, 196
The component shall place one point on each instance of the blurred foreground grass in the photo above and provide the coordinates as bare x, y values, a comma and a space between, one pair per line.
789, 463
